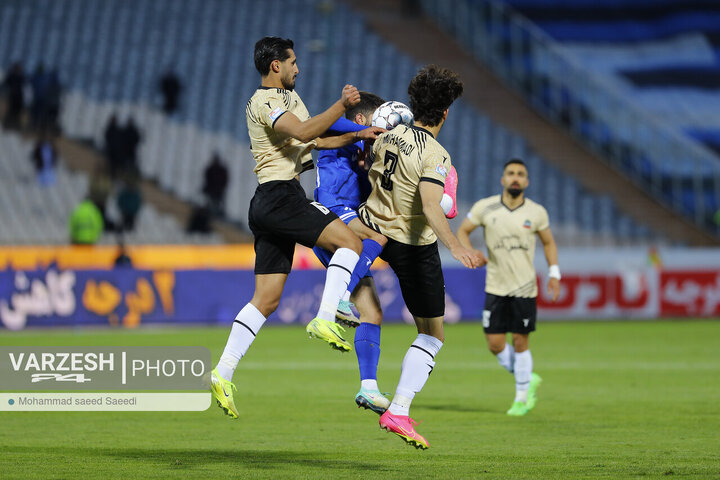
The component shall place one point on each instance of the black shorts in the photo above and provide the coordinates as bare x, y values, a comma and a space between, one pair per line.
281, 216
509, 314
419, 271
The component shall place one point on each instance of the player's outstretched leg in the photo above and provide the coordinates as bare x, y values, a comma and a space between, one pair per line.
336, 237
417, 365
344, 314
245, 328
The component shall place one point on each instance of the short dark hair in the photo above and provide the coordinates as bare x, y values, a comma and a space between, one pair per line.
514, 161
431, 92
369, 102
268, 49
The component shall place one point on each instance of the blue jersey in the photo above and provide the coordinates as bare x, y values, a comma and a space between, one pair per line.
340, 182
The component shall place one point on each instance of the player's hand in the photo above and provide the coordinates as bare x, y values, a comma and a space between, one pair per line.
483, 258
553, 288
370, 133
469, 258
350, 96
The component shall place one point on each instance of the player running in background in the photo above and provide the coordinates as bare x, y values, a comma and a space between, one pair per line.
511, 221
408, 178
282, 135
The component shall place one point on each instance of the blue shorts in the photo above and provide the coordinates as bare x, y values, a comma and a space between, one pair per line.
346, 214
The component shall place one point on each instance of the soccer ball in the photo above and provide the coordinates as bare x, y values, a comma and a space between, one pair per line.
390, 114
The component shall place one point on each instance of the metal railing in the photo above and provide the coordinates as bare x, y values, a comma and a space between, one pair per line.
677, 171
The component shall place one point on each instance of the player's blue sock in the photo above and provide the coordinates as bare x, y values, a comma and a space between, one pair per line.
371, 250
367, 347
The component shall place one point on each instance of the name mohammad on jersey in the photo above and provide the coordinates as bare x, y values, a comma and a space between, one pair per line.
403, 146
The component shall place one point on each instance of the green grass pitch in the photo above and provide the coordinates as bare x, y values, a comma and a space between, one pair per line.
619, 400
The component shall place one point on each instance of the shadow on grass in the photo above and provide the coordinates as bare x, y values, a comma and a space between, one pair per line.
449, 407
193, 458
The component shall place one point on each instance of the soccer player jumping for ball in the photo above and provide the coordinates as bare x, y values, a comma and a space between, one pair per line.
282, 135
511, 222
408, 178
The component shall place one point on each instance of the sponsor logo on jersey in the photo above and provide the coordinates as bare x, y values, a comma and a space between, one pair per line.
441, 170
526, 224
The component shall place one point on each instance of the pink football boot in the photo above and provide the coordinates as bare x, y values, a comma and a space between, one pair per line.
403, 426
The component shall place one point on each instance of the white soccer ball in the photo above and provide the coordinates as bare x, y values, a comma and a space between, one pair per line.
391, 114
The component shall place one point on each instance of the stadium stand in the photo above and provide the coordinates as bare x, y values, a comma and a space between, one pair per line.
636, 79
36, 214
110, 55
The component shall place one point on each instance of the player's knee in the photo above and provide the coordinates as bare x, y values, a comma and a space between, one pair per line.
496, 346
495, 349
353, 242
266, 306
380, 239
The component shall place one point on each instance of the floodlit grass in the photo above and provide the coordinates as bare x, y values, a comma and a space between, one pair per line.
619, 400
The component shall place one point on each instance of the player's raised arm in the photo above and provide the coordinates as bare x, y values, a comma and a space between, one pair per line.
315, 126
338, 141
431, 194
551, 255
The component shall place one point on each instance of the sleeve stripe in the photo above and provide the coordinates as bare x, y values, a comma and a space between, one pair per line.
432, 180
278, 118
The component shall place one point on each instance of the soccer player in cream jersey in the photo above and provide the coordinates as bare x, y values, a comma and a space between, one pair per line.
282, 135
408, 176
511, 222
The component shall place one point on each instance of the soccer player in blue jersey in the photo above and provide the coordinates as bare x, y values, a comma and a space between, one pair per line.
342, 185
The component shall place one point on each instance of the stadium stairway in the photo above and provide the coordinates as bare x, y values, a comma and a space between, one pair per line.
398, 23
83, 158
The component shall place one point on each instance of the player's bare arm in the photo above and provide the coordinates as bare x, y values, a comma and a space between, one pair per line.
338, 141
313, 127
463, 236
551, 255
431, 194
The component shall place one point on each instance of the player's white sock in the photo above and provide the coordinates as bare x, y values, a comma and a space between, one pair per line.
339, 271
369, 384
346, 296
523, 370
506, 358
246, 326
419, 361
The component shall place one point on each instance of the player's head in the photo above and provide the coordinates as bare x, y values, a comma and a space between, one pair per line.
515, 177
362, 112
275, 56
432, 91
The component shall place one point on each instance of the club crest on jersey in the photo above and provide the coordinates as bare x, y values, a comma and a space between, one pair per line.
526, 224
275, 114
441, 170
